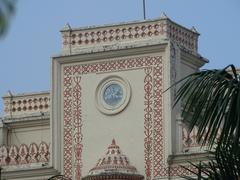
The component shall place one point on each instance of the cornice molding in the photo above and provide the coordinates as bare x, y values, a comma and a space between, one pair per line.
29, 173
195, 61
27, 121
188, 157
120, 51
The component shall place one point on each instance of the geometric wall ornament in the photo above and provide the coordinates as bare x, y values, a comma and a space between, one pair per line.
153, 134
23, 154
113, 165
13, 155
112, 95
33, 153
3, 155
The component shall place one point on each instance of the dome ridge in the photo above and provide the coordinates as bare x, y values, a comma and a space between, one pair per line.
113, 161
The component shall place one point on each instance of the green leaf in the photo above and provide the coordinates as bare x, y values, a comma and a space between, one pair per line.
211, 101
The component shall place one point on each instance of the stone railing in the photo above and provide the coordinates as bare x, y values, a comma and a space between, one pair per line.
188, 39
22, 155
189, 139
77, 38
23, 104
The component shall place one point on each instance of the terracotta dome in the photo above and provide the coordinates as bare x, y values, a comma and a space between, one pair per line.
113, 165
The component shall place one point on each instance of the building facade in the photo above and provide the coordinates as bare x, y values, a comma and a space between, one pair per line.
109, 82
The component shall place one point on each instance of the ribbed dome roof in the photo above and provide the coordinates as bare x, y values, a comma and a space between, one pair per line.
113, 162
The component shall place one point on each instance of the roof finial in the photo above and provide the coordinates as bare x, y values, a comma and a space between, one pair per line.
9, 93
113, 142
163, 16
193, 29
67, 27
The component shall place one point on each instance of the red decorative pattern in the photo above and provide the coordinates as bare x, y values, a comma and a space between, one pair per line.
67, 113
15, 156
43, 151
183, 36
23, 154
113, 159
164, 28
189, 139
77, 126
33, 153
148, 129
19, 104
152, 67
158, 151
88, 37
3, 155
177, 171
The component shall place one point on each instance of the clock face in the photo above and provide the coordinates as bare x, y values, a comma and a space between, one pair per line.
113, 94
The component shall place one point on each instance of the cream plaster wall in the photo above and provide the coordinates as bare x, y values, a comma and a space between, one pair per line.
187, 69
18, 136
3, 132
186, 65
127, 127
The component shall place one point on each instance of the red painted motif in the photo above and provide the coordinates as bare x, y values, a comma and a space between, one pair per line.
77, 126
163, 28
13, 155
115, 34
33, 153
17, 156
153, 141
43, 151
179, 171
148, 114
68, 134
23, 154
3, 155
29, 104
158, 151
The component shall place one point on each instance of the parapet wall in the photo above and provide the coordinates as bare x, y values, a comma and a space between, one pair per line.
77, 39
26, 104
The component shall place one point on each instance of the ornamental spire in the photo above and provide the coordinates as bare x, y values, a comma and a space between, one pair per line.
113, 142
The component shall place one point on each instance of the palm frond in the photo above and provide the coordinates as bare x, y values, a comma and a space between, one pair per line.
59, 177
224, 166
199, 173
211, 101
7, 9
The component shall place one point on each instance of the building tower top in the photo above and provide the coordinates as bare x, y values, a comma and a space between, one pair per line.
115, 36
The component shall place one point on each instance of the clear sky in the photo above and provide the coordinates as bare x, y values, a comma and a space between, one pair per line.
33, 37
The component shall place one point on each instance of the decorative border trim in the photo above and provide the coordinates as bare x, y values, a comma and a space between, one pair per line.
158, 133
148, 114
77, 126
16, 157
153, 141
67, 128
164, 28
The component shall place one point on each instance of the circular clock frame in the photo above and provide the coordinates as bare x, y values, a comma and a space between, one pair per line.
112, 95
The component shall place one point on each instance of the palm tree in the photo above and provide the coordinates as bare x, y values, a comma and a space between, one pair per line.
211, 101
223, 165
7, 8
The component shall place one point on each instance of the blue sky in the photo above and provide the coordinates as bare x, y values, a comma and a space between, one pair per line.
33, 36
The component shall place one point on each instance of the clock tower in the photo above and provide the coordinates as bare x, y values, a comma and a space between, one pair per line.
109, 82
